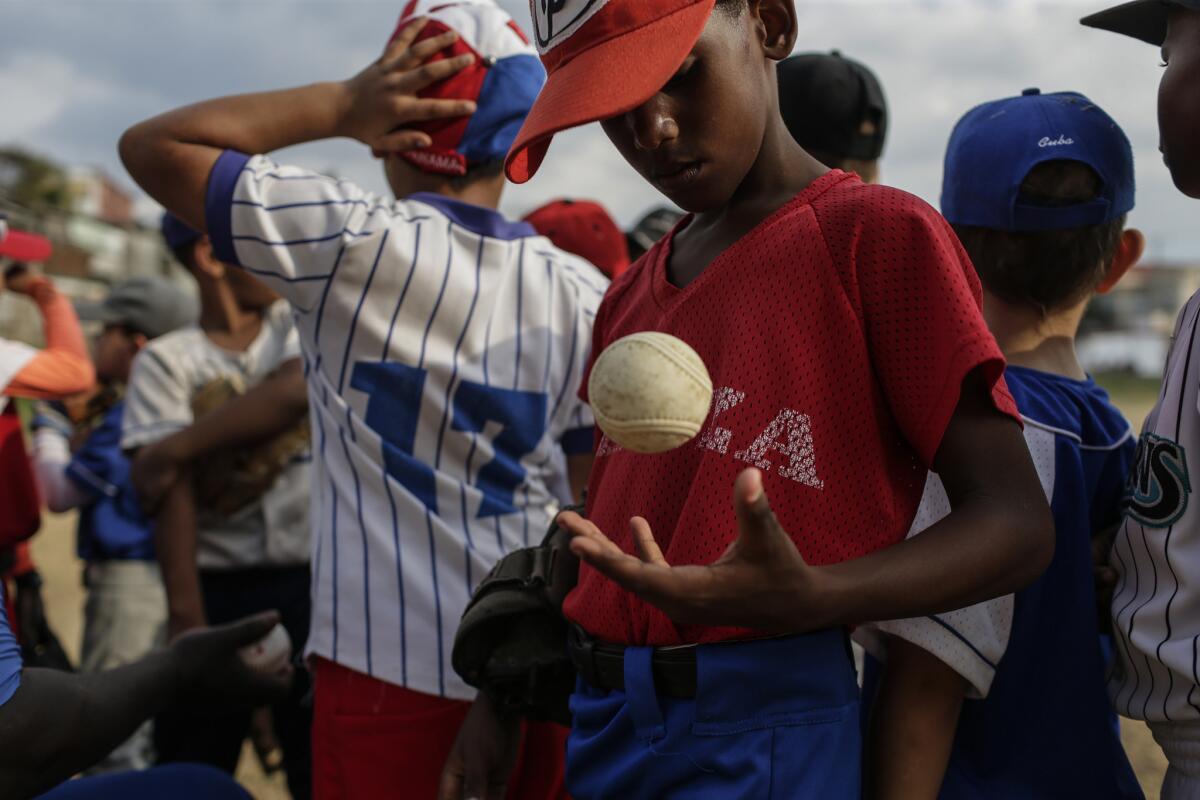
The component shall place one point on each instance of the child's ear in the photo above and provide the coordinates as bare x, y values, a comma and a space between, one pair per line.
1130, 250
206, 262
777, 19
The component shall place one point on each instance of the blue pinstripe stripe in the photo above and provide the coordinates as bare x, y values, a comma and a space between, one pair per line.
437, 603
441, 292
337, 263
305, 204
437, 461
308, 176
333, 547
562, 390
412, 269
366, 565
579, 276
525, 517
358, 310
279, 276
399, 575
549, 323
470, 545
293, 242
520, 294
954, 632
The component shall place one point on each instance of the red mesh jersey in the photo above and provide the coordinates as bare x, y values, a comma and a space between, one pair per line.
837, 333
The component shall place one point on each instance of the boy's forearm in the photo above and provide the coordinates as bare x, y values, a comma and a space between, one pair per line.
913, 722
60, 723
171, 155
977, 553
264, 412
175, 546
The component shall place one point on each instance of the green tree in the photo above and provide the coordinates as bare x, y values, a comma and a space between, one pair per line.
33, 181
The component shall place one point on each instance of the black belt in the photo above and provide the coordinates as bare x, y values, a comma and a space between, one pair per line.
603, 666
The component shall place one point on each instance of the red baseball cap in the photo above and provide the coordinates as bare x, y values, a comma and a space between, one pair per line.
585, 229
603, 58
20, 246
503, 80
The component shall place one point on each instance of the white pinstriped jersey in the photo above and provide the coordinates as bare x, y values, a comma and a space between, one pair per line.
1156, 608
443, 349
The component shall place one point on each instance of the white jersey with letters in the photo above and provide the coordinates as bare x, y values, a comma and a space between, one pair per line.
444, 347
1156, 608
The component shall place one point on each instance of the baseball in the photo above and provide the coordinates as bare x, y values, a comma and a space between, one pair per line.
271, 654
650, 392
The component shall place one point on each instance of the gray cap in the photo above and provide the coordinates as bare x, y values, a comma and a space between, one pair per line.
149, 305
1142, 19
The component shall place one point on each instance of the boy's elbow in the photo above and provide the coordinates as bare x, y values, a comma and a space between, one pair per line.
131, 143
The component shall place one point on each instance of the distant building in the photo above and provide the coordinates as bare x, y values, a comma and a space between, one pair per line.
94, 194
1130, 329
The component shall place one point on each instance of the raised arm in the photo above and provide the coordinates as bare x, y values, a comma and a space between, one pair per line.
63, 367
58, 723
172, 155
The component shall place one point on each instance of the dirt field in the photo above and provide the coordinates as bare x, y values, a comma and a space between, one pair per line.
54, 553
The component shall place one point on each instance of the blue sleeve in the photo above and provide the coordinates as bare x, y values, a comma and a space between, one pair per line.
93, 466
10, 654
287, 226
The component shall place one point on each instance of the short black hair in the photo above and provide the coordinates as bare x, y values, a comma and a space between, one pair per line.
1049, 270
731, 8
477, 173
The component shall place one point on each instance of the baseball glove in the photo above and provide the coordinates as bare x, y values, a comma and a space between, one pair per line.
229, 481
512, 639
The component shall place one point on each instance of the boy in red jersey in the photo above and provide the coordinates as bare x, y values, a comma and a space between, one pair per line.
841, 324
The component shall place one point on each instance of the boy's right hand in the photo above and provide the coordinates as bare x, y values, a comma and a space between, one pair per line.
212, 676
483, 755
382, 99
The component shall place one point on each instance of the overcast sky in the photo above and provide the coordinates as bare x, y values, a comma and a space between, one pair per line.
75, 73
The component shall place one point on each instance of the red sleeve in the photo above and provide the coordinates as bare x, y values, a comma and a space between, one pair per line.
921, 304
64, 367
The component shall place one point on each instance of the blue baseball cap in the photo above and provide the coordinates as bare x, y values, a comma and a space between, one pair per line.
996, 145
176, 232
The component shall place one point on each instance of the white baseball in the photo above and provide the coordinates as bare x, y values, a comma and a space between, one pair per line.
650, 392
271, 654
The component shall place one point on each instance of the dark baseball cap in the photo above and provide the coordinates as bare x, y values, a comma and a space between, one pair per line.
1142, 19
650, 228
996, 145
151, 305
585, 229
827, 100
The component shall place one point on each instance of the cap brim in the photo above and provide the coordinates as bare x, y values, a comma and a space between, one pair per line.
21, 246
1142, 19
94, 311
605, 80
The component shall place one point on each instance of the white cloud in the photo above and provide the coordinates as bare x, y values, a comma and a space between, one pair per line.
73, 74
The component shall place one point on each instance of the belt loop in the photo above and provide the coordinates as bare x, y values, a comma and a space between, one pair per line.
641, 695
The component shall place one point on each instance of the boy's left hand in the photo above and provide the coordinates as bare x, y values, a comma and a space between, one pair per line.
382, 100
760, 582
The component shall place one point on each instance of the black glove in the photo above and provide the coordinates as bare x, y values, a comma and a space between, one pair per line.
39, 646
